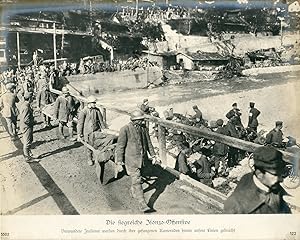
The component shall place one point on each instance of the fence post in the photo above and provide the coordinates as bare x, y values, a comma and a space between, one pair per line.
162, 144
104, 115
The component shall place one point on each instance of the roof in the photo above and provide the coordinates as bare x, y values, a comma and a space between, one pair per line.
52, 60
205, 56
162, 54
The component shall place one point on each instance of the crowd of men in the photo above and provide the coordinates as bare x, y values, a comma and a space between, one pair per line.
210, 159
205, 160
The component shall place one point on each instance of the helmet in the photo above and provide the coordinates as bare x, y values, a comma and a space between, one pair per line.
137, 115
65, 90
220, 122
91, 99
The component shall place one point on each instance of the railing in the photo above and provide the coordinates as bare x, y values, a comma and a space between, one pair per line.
209, 195
203, 133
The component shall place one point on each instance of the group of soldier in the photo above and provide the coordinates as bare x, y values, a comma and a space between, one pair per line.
134, 143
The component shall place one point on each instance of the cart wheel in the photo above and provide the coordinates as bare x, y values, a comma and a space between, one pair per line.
292, 181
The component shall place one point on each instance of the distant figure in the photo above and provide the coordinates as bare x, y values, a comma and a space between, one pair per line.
220, 150
260, 192
235, 112
231, 131
35, 58
253, 114
275, 136
145, 106
9, 109
181, 164
44, 97
197, 117
64, 111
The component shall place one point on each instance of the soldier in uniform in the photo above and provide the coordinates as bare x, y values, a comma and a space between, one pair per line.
235, 112
220, 150
26, 125
44, 97
253, 114
260, 192
9, 110
145, 106
64, 110
133, 145
275, 136
197, 118
231, 131
90, 120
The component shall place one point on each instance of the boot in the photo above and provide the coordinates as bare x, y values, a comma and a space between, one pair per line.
72, 139
30, 159
61, 131
143, 207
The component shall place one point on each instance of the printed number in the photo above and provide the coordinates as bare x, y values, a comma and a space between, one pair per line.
293, 233
4, 234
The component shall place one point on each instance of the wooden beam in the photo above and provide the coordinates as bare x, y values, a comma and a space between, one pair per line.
44, 31
18, 50
162, 144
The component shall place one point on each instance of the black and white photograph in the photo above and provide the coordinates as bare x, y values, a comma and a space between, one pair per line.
145, 107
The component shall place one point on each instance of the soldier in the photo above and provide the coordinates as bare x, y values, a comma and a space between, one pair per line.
26, 124
44, 97
133, 145
260, 192
253, 114
90, 120
145, 106
201, 170
64, 111
220, 150
231, 131
9, 110
274, 137
197, 117
235, 112
181, 164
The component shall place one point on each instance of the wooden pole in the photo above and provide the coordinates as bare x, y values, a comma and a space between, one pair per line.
18, 50
104, 115
54, 46
136, 7
162, 144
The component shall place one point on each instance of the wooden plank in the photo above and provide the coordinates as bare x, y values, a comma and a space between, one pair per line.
44, 31
230, 141
162, 144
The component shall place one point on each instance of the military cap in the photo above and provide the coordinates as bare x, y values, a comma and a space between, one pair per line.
220, 122
252, 104
213, 124
269, 159
145, 100
195, 107
137, 115
10, 86
65, 90
234, 104
91, 99
27, 95
278, 123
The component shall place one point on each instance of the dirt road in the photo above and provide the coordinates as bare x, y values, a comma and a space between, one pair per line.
63, 183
